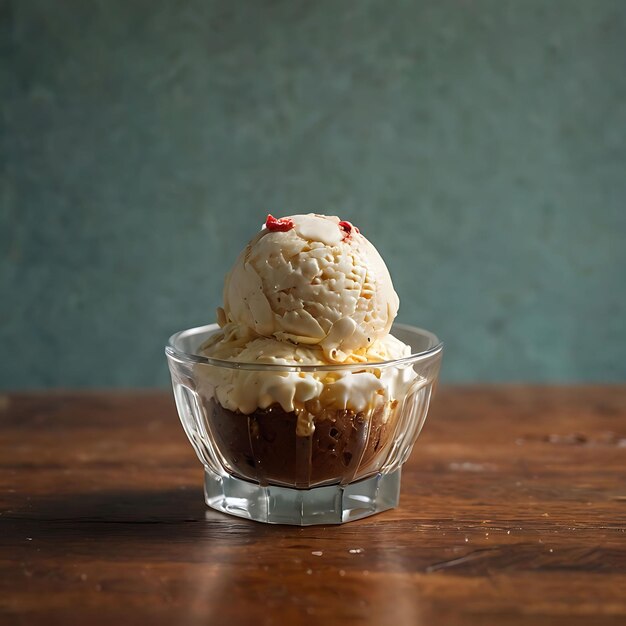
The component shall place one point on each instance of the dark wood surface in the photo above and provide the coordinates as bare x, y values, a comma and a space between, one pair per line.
513, 511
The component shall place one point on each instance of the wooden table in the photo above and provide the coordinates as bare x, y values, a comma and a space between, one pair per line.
513, 511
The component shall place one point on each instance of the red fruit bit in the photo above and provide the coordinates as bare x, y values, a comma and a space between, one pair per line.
281, 224
347, 229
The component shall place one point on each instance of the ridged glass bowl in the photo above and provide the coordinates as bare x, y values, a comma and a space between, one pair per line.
314, 466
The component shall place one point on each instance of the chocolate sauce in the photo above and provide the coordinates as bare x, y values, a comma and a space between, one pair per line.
263, 446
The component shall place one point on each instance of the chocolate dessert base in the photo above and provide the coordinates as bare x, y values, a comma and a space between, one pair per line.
264, 447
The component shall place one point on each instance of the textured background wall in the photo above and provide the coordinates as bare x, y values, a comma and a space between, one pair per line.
481, 145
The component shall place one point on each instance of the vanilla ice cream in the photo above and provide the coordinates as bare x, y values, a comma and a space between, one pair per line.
319, 282
308, 290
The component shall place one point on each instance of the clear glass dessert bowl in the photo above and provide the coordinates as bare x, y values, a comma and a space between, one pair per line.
328, 461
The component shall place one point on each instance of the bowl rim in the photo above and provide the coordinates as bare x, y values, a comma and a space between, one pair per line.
179, 355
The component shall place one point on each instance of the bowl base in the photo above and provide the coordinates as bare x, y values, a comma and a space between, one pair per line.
334, 504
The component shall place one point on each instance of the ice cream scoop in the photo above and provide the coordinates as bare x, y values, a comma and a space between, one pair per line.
314, 280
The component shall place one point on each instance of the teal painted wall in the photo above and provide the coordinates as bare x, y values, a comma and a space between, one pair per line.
481, 145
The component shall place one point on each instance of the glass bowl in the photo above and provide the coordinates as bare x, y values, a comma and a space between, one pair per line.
328, 462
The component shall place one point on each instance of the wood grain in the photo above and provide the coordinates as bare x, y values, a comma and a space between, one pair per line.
513, 511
